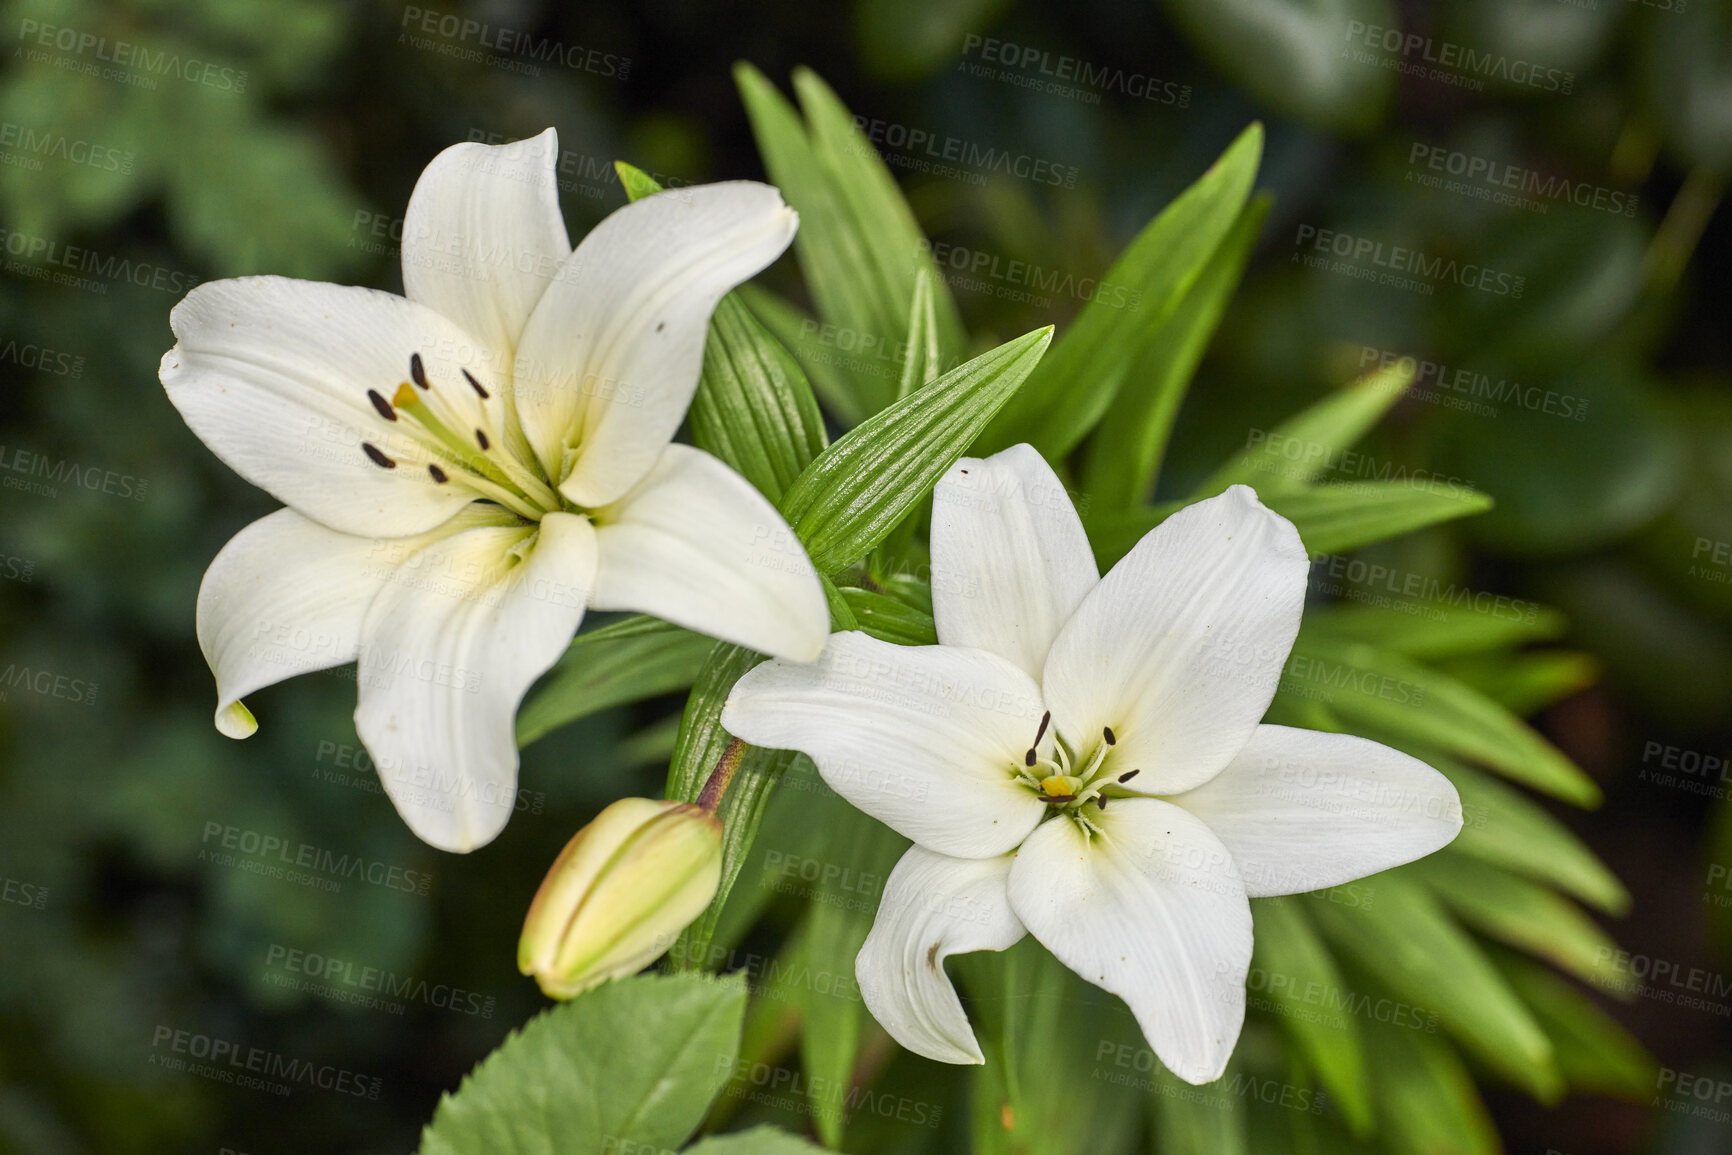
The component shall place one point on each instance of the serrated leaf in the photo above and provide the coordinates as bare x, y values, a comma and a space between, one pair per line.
856, 491
754, 408
1595, 1054
890, 620
1320, 433
1301, 973
635, 1060
1124, 455
858, 245
1412, 947
757, 1141
1090, 363
626, 662
1517, 912
1395, 694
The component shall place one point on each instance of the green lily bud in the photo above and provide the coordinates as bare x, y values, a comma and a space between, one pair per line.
618, 894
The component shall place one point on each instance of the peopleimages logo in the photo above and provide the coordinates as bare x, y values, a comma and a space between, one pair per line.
1486, 178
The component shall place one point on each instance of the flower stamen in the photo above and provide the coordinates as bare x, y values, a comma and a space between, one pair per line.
377, 456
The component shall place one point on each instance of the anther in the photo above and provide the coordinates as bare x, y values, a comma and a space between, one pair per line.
378, 458
438, 474
1028, 758
1102, 799
1107, 733
417, 372
1045, 719
481, 440
382, 405
1129, 774
1059, 799
475, 385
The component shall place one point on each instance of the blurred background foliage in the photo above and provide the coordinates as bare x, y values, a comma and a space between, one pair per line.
291, 145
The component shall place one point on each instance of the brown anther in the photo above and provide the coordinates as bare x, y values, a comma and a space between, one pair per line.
1028, 759
382, 405
1102, 799
438, 474
418, 372
1128, 775
1107, 733
475, 385
1045, 720
378, 458
481, 440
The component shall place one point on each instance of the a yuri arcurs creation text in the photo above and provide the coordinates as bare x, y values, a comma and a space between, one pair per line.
469, 467
1081, 759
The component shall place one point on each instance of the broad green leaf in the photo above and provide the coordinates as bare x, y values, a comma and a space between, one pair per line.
890, 620
815, 347
1432, 620
1426, 1101
1517, 912
757, 1141
1330, 518
635, 1060
1208, 1120
923, 360
1300, 979
1302, 448
841, 613
1076, 385
1410, 945
859, 488
754, 408
1124, 456
1595, 1054
1066, 1068
626, 662
858, 245
1392, 693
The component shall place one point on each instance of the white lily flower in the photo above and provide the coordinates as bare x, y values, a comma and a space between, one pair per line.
469, 467
1081, 759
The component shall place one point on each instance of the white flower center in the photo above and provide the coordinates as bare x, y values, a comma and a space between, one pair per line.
484, 460
1067, 781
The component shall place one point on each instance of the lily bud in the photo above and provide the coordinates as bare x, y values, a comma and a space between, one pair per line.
619, 892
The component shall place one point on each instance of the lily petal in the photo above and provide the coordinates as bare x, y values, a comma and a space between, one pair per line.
483, 238
923, 738
1180, 647
1302, 810
273, 374
610, 357
933, 907
1010, 559
695, 544
1152, 910
448, 649
286, 596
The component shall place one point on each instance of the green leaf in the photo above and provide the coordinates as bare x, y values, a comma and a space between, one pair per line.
1191, 1120
1426, 1101
1595, 1054
858, 245
923, 360
1301, 976
1455, 621
1394, 694
1504, 827
1518, 913
635, 1059
1124, 456
1413, 948
890, 620
1090, 363
1300, 449
1523, 683
757, 1141
637, 183
625, 662
1330, 518
754, 408
859, 488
